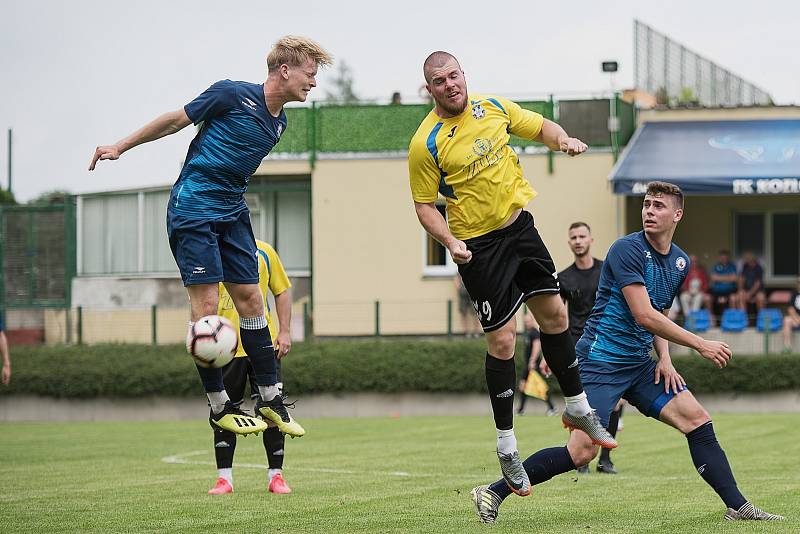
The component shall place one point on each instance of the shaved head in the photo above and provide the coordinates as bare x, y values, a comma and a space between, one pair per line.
437, 60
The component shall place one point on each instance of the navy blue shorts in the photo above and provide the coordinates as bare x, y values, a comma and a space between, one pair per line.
208, 251
605, 383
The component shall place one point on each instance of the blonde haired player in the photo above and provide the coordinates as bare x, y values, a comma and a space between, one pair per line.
208, 222
237, 374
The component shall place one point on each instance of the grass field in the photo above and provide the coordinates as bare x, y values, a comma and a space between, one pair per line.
379, 475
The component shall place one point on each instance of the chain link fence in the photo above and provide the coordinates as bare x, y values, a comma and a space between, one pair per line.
677, 75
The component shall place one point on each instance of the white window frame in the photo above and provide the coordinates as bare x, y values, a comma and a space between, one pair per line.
766, 261
449, 269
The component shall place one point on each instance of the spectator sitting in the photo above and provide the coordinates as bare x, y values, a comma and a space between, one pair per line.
751, 283
724, 283
792, 319
694, 293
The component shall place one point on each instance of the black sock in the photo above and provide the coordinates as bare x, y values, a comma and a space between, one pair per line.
224, 447
211, 378
559, 353
613, 424
549, 402
274, 441
712, 464
541, 466
258, 346
501, 378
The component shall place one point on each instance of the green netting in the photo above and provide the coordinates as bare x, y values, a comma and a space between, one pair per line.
627, 125
365, 127
35, 244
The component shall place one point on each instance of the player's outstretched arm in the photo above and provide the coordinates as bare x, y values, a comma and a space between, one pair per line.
168, 123
556, 139
433, 222
654, 322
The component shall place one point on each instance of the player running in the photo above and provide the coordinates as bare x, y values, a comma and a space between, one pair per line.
237, 374
207, 218
461, 151
640, 277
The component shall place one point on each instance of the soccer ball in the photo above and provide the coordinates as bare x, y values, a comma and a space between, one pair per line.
212, 341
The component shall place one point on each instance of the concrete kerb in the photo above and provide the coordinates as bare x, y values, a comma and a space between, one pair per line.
31, 408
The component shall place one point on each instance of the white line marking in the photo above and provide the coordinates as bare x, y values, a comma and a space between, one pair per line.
185, 458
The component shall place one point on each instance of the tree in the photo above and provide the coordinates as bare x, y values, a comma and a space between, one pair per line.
342, 84
7, 198
57, 196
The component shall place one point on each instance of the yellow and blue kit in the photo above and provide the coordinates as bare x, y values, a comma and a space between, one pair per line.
467, 160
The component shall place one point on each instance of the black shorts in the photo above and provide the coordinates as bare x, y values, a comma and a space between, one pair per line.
237, 374
508, 267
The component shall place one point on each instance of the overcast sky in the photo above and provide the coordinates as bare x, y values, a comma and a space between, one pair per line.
87, 72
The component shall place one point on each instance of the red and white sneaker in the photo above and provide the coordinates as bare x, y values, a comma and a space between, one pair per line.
278, 485
221, 487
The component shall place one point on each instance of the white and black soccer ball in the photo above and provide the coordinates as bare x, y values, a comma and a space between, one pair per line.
212, 341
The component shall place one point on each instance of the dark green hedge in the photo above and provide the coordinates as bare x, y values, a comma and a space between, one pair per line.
332, 367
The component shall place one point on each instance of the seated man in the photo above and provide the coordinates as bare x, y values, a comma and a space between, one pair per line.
724, 283
694, 292
792, 319
751, 283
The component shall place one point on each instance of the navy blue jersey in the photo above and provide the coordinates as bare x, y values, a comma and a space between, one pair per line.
237, 132
611, 334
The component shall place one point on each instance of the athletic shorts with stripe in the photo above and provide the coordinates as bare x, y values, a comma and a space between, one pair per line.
508, 266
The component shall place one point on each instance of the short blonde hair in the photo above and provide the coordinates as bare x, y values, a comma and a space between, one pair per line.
295, 50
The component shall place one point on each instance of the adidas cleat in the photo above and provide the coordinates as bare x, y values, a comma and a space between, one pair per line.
275, 411
486, 503
221, 487
514, 473
235, 420
590, 424
606, 467
749, 512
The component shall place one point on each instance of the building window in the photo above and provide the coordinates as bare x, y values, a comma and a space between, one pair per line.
436, 257
774, 237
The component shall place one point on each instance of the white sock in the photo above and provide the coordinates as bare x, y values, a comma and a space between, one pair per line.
578, 405
268, 392
272, 472
217, 399
227, 474
506, 441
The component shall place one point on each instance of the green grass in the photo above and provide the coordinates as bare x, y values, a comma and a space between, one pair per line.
380, 475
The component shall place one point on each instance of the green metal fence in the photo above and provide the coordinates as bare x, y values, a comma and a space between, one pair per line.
37, 255
328, 128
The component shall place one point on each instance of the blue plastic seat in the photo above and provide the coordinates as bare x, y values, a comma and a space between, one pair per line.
733, 320
698, 321
769, 319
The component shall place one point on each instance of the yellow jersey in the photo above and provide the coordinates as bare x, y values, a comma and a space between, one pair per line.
468, 161
271, 276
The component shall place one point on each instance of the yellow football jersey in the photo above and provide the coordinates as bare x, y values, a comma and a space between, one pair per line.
271, 276
467, 160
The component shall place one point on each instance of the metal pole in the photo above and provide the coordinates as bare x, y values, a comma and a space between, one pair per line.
551, 112
80, 325
10, 134
377, 318
449, 318
306, 323
68, 324
312, 136
153, 324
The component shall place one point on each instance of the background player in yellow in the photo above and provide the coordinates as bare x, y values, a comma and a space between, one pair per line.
271, 277
461, 151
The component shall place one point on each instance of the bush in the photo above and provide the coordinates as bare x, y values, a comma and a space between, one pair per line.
387, 366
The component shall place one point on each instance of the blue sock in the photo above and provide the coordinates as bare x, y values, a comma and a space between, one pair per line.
257, 343
211, 378
541, 466
712, 464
